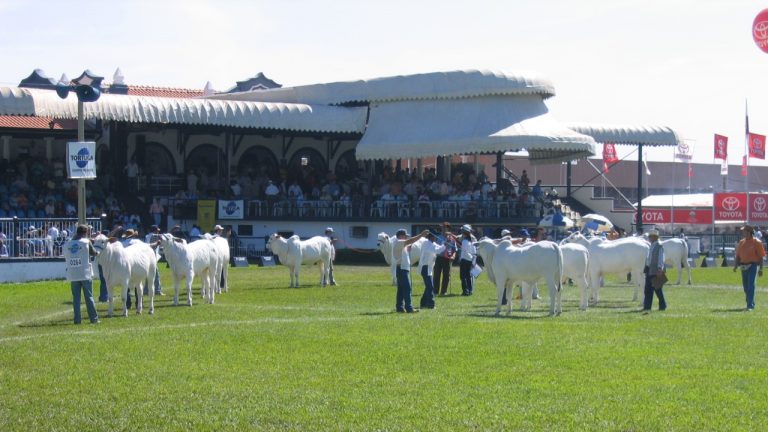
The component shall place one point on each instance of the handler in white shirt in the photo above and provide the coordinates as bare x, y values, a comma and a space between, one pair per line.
429, 251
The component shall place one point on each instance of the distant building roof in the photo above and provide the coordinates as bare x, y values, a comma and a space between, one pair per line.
27, 122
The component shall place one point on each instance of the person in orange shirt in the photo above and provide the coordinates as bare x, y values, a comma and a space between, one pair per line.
749, 255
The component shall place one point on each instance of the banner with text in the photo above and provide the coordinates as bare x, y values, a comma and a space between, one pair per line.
730, 206
758, 207
231, 209
81, 160
663, 215
721, 147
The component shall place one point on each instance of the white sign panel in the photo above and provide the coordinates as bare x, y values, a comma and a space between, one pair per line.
81, 160
231, 209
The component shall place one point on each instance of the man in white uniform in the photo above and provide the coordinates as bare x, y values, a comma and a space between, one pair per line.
77, 257
429, 252
402, 257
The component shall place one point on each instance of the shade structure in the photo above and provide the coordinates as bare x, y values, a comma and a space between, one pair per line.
144, 109
414, 129
549, 221
628, 134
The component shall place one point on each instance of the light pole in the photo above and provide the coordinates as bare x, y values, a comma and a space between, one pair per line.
87, 87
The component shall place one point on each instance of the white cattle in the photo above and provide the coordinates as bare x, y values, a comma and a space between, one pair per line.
189, 259
576, 267
386, 246
127, 267
293, 252
222, 246
621, 256
507, 264
676, 255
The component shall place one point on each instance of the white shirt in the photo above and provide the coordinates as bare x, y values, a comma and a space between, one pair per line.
402, 255
78, 260
429, 251
468, 250
272, 190
53, 232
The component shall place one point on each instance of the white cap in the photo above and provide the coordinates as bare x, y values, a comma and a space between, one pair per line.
466, 228
505, 232
218, 227
329, 229
653, 233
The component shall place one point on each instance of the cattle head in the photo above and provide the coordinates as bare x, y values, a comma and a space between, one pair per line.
100, 242
383, 238
272, 238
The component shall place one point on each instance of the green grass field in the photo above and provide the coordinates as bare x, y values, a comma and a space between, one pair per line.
267, 357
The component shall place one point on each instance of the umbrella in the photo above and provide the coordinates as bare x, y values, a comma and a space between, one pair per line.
596, 222
549, 221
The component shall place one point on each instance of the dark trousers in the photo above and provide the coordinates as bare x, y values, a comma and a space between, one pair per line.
428, 298
649, 290
748, 282
466, 277
441, 275
103, 293
403, 300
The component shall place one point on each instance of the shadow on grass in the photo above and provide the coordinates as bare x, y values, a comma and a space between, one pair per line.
41, 324
516, 315
378, 313
729, 310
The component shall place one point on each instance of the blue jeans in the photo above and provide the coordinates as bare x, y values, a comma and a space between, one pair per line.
87, 288
403, 301
748, 281
428, 298
649, 290
158, 287
103, 293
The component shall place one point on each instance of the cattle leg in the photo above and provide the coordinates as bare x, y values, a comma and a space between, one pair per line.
109, 309
582, 283
190, 278
151, 297
500, 296
595, 287
679, 273
175, 290
213, 278
125, 299
139, 299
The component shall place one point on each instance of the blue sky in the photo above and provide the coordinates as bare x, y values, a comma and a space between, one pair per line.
686, 64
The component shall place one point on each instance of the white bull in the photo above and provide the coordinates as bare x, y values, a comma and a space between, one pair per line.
293, 252
386, 246
576, 267
222, 246
676, 255
127, 267
508, 264
621, 256
189, 259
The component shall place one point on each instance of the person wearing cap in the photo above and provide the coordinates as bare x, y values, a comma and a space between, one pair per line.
506, 233
467, 260
218, 230
402, 257
442, 270
153, 239
749, 255
429, 251
654, 267
331, 238
77, 258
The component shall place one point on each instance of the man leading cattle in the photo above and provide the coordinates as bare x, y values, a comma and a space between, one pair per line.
403, 261
331, 238
654, 269
77, 257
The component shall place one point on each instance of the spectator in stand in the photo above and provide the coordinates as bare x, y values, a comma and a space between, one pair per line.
51, 238
3, 249
132, 172
195, 233
271, 192
524, 182
192, 182
537, 191
156, 210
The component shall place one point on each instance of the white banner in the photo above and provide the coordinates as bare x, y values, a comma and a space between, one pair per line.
724, 168
684, 152
81, 160
231, 209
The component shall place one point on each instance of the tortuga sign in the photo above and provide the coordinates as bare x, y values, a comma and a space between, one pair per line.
760, 30
730, 206
758, 207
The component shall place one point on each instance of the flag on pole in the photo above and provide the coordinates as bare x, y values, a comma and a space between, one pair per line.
645, 162
756, 145
609, 155
690, 170
721, 147
684, 152
744, 166
724, 168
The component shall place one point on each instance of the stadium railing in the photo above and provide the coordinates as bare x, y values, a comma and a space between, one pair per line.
36, 238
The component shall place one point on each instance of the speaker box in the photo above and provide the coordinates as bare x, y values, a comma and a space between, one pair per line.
240, 262
266, 261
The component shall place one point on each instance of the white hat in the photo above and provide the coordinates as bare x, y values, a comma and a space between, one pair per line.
329, 229
30, 228
466, 228
505, 232
218, 227
653, 233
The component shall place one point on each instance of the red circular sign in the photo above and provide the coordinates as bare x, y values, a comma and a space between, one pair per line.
760, 30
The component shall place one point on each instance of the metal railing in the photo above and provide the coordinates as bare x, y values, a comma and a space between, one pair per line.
39, 237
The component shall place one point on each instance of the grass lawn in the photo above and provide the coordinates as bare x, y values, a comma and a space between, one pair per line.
267, 357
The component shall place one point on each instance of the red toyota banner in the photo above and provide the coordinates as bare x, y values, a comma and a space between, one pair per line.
721, 147
760, 30
756, 146
609, 155
758, 208
730, 206
663, 215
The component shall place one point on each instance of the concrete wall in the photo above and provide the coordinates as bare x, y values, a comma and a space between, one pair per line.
16, 271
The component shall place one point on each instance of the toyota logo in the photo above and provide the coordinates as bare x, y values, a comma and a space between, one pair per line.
683, 147
759, 204
761, 30
730, 203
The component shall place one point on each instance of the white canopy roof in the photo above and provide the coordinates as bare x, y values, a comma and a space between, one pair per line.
633, 135
142, 109
434, 85
680, 200
412, 129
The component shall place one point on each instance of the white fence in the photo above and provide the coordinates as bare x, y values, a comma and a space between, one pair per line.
38, 238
